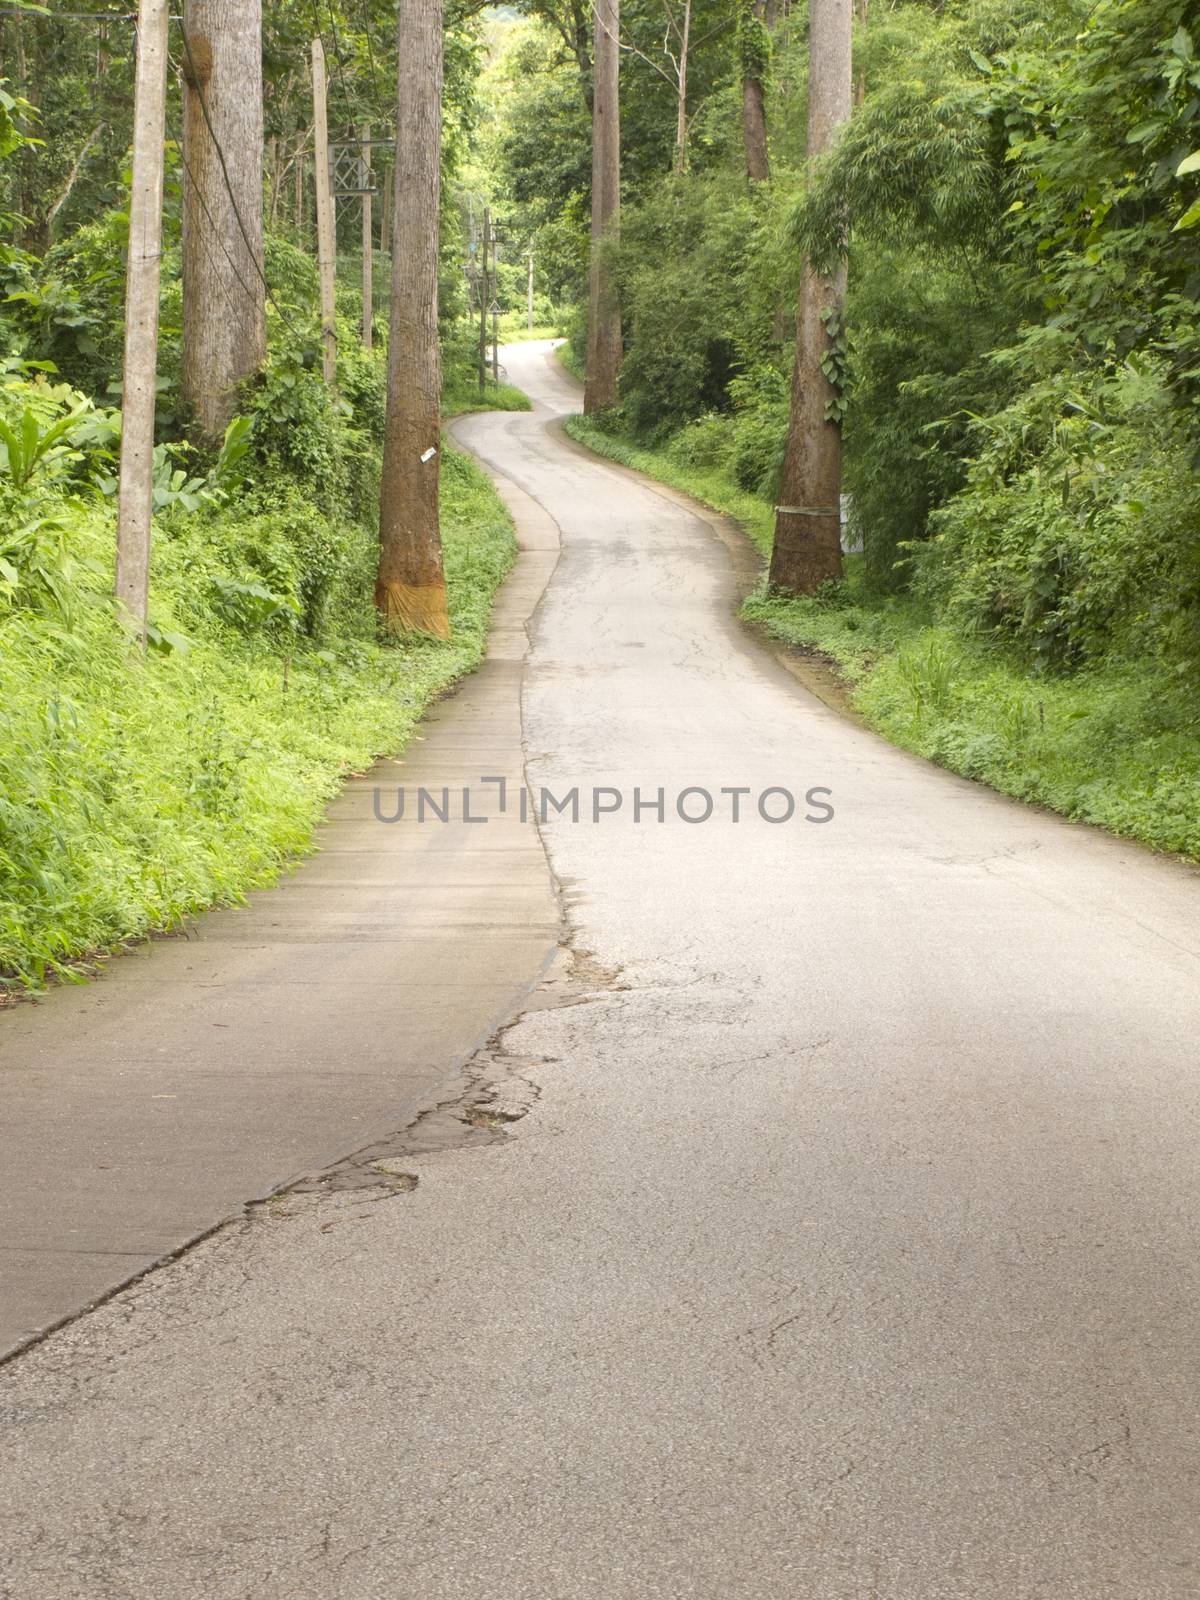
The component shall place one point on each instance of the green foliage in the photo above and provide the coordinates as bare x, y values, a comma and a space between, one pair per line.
680, 271
134, 790
134, 793
1116, 745
1077, 537
759, 431
27, 448
70, 306
708, 482
754, 43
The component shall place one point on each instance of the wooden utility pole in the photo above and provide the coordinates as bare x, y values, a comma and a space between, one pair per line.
368, 245
411, 591
808, 525
224, 288
529, 308
604, 313
135, 493
483, 298
326, 245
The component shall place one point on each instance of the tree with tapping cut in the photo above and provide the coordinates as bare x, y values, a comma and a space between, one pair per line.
604, 313
807, 547
224, 304
411, 591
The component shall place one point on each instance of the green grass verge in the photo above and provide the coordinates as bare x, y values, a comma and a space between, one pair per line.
462, 394
515, 330
714, 487
1118, 746
571, 361
134, 793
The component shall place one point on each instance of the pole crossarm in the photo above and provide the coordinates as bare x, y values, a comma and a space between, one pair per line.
350, 170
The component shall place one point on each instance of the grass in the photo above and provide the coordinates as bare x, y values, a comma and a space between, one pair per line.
1118, 746
714, 487
572, 362
134, 793
515, 329
462, 394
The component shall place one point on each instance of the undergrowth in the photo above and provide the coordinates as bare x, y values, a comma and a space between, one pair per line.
132, 793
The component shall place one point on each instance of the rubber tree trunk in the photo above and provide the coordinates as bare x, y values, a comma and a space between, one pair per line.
411, 592
754, 52
224, 303
807, 547
604, 313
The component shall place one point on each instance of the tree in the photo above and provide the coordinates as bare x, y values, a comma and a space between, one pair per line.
682, 29
411, 591
224, 306
604, 313
569, 19
807, 548
754, 53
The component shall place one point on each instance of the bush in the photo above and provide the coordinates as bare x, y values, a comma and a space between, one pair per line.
707, 442
1077, 534
760, 431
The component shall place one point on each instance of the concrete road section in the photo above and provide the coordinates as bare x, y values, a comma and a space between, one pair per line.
206, 1069
829, 1230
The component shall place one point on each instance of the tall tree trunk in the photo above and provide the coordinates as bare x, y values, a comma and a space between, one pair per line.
604, 313
224, 305
681, 120
411, 592
808, 547
754, 54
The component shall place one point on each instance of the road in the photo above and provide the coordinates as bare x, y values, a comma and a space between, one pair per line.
265, 1041
824, 1226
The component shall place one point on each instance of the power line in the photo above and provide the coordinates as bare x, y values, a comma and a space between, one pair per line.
216, 232
366, 16
250, 250
337, 60
68, 16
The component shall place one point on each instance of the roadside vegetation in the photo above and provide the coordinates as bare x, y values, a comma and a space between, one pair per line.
135, 791
1018, 372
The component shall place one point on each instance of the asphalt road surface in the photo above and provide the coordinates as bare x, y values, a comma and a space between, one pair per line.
824, 1227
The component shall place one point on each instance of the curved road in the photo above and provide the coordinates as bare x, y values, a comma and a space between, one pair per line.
847, 1245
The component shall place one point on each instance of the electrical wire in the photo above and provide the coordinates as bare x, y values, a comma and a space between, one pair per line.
366, 16
68, 16
337, 60
194, 82
250, 293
